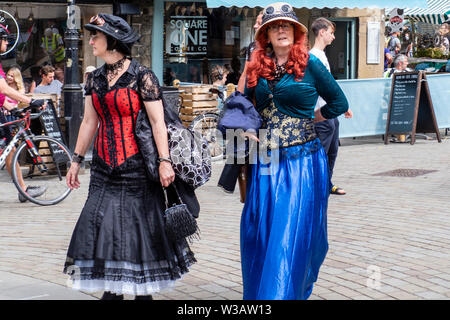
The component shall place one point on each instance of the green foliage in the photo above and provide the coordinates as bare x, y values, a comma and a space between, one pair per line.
434, 53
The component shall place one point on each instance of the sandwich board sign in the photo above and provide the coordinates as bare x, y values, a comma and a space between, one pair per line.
410, 106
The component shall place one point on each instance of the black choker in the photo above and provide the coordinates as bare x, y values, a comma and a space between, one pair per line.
112, 70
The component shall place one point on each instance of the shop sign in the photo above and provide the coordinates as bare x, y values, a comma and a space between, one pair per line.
396, 20
7, 20
187, 35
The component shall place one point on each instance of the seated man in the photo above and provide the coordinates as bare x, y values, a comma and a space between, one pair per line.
48, 84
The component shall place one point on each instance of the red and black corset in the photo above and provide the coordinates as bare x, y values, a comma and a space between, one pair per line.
117, 109
117, 114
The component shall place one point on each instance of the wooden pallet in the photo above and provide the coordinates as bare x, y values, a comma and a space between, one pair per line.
200, 104
201, 88
196, 100
196, 111
198, 96
46, 154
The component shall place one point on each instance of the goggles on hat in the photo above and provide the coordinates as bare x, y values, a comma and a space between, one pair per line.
4, 33
97, 20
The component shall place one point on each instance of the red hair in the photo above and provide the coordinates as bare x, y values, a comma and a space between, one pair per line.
261, 65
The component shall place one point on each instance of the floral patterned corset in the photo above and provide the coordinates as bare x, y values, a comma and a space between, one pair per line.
285, 131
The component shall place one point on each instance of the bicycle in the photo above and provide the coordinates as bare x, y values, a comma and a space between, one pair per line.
206, 124
41, 159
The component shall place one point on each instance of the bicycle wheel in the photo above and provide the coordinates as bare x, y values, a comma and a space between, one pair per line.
47, 169
206, 125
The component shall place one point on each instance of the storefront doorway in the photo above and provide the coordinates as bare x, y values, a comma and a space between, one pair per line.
341, 53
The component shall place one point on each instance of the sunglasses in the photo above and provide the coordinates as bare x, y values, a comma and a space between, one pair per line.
284, 26
97, 20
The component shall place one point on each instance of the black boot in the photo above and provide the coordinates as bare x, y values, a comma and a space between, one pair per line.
148, 297
111, 296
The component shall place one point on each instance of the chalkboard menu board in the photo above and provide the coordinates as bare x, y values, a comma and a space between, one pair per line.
410, 106
49, 121
403, 103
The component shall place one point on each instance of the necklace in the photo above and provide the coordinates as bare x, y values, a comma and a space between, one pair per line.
112, 70
280, 71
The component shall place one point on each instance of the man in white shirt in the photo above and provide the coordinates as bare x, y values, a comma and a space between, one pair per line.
328, 130
400, 65
49, 84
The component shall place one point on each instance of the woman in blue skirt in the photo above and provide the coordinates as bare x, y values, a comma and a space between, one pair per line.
284, 221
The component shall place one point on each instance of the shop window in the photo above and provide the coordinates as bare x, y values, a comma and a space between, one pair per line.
35, 50
197, 38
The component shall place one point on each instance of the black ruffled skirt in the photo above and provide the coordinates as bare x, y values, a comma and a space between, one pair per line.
118, 243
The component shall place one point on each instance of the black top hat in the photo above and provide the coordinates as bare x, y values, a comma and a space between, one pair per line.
113, 26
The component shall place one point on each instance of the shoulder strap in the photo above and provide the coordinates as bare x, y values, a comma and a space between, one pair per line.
391, 72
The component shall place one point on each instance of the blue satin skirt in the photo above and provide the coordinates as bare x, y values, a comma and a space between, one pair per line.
284, 224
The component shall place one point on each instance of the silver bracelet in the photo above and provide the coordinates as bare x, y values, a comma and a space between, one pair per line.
77, 158
161, 159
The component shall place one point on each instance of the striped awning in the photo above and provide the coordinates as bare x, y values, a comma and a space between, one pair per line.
437, 12
320, 3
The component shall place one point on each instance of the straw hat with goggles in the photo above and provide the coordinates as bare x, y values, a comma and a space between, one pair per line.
279, 11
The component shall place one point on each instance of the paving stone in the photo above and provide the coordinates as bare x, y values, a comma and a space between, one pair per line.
431, 295
231, 295
402, 295
203, 295
333, 296
346, 292
213, 288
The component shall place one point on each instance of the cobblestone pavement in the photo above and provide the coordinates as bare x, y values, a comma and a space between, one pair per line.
389, 237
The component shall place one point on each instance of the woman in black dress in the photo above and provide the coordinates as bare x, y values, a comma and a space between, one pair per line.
118, 245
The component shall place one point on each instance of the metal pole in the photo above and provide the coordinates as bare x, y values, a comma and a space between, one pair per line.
73, 97
157, 39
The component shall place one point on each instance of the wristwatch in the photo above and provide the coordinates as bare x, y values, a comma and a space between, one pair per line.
77, 158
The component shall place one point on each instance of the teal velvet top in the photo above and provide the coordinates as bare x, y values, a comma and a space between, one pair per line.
298, 98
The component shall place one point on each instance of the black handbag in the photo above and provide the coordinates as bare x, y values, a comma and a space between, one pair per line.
179, 222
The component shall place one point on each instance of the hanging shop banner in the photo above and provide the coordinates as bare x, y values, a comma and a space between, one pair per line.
187, 35
8, 22
396, 20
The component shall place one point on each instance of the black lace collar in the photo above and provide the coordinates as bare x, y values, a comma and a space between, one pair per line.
131, 69
127, 79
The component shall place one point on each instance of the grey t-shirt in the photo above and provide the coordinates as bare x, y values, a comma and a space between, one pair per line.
54, 87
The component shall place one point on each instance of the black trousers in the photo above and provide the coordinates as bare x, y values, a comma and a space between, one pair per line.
328, 133
229, 177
